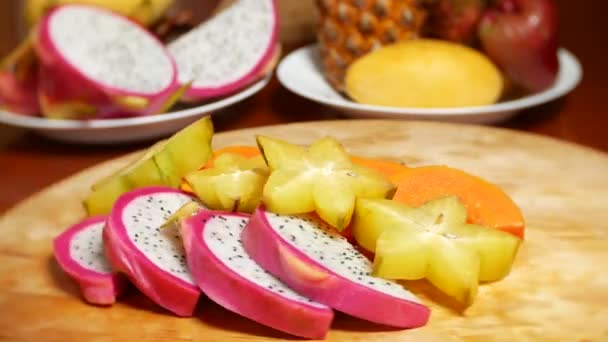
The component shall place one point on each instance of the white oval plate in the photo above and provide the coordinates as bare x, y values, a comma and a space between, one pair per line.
300, 72
115, 131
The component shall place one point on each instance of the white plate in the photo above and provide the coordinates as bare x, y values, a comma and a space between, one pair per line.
114, 131
300, 72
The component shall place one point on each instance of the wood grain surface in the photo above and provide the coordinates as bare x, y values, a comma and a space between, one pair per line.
557, 290
29, 162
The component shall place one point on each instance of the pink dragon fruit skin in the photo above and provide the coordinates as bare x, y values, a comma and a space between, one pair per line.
263, 240
144, 210
267, 300
186, 56
19, 96
98, 284
19, 80
63, 84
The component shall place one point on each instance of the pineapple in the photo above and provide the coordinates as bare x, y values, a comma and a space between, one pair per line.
351, 28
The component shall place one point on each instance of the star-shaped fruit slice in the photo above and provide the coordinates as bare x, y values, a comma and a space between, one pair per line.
234, 183
433, 242
320, 178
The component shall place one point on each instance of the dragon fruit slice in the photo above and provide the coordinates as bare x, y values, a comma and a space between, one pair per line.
96, 63
19, 80
316, 261
80, 253
229, 51
151, 257
229, 277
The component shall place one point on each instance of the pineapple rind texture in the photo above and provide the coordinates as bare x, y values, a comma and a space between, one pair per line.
351, 28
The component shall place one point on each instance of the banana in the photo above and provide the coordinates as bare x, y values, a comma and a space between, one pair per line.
144, 11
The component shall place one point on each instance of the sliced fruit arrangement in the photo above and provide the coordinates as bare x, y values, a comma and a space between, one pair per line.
234, 183
80, 253
165, 163
93, 60
289, 262
316, 261
486, 204
320, 178
228, 52
424, 73
153, 259
433, 242
213, 247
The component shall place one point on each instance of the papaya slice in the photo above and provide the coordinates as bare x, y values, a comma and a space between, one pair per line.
486, 204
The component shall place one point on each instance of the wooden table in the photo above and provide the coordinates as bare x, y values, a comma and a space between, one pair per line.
29, 163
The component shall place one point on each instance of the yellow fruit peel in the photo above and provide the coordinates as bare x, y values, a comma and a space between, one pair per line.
424, 73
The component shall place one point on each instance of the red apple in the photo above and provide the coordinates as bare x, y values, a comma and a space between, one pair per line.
455, 20
520, 36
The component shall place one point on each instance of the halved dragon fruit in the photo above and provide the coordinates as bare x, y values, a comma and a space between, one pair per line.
80, 253
229, 277
317, 262
96, 63
151, 257
229, 51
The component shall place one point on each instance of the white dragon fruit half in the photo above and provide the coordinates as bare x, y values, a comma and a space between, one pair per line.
80, 253
228, 276
99, 64
317, 262
151, 257
229, 51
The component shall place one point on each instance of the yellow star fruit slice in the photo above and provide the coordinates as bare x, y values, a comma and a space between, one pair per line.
234, 183
319, 178
433, 242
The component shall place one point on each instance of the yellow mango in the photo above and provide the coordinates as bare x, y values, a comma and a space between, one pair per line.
424, 73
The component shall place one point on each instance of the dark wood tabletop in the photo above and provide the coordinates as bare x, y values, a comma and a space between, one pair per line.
28, 162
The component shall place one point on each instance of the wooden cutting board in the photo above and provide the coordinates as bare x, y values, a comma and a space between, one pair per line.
558, 289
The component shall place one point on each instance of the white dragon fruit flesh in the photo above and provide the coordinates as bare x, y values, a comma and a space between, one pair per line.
151, 257
80, 253
319, 263
228, 276
99, 64
229, 51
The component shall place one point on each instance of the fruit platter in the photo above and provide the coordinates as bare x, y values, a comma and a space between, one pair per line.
67, 79
476, 61
336, 230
